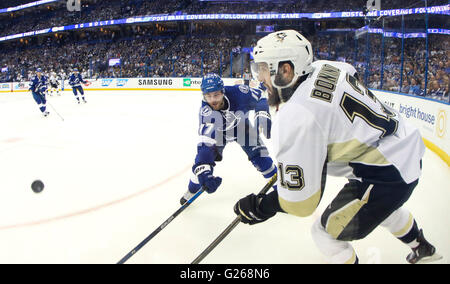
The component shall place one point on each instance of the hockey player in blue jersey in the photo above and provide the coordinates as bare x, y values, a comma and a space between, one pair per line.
223, 119
38, 86
75, 81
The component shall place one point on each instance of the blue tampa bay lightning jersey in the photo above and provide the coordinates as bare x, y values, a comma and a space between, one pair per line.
230, 124
39, 85
75, 80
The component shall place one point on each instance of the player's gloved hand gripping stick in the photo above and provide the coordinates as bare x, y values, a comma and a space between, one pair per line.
206, 178
230, 227
162, 226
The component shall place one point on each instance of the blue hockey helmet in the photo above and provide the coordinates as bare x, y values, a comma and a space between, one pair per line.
39, 70
75, 69
211, 82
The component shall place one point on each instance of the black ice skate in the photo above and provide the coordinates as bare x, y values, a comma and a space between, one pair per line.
424, 252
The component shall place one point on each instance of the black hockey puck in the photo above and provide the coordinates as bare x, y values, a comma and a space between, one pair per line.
37, 186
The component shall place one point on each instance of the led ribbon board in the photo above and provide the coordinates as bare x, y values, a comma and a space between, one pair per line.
445, 10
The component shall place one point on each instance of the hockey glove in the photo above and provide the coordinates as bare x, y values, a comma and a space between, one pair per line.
263, 121
206, 178
262, 87
42, 89
249, 210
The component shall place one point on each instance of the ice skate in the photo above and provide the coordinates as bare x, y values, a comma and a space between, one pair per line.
423, 253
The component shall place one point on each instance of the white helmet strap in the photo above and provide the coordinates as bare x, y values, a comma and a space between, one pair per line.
279, 88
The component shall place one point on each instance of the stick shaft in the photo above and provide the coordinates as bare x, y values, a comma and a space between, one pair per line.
231, 226
160, 228
55, 111
217, 240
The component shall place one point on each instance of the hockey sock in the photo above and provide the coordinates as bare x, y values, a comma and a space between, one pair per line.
402, 225
411, 237
335, 251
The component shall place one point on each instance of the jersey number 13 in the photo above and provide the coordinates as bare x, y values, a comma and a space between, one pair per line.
354, 107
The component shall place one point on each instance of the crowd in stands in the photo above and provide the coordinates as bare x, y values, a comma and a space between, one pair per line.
142, 55
87, 54
414, 59
293, 6
92, 10
193, 56
13, 3
95, 10
255, 5
146, 54
196, 55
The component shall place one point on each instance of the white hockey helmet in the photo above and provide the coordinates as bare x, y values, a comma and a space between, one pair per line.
281, 46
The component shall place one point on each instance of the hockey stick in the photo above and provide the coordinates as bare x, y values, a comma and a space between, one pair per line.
55, 110
231, 226
159, 229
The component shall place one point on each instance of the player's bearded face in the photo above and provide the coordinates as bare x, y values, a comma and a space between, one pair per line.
279, 90
261, 71
214, 99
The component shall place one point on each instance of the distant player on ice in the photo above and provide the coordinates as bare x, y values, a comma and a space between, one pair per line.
38, 87
329, 123
54, 84
75, 80
224, 119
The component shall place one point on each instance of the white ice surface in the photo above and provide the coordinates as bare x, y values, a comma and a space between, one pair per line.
115, 169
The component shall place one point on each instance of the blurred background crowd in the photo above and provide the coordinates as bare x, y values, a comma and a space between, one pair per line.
409, 65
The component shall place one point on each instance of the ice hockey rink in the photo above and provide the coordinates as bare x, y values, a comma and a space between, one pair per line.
115, 169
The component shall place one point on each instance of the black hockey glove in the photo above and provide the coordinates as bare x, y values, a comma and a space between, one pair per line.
249, 210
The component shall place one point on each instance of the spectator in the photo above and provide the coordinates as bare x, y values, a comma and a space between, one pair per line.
414, 87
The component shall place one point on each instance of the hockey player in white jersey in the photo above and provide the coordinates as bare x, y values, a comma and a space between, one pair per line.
329, 123
54, 84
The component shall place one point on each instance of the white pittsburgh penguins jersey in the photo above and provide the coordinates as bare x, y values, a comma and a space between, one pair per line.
341, 65
53, 79
333, 124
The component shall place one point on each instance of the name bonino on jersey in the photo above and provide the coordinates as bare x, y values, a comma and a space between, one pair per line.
325, 83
